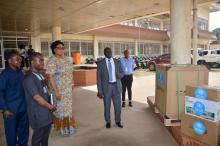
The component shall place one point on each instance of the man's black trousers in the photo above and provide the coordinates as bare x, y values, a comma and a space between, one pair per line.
127, 84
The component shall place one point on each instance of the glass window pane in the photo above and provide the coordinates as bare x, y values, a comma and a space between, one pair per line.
117, 49
84, 48
45, 49
66, 51
101, 48
90, 48
74, 46
132, 48
140, 48
9, 44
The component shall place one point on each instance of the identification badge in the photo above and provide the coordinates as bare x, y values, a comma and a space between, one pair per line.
126, 69
45, 90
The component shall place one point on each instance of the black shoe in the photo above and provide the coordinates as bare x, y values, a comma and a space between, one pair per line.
119, 124
130, 104
123, 104
108, 125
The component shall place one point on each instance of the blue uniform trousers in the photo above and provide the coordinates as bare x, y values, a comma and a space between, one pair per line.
17, 129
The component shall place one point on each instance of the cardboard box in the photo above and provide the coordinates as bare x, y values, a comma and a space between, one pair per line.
212, 92
172, 79
211, 135
209, 108
206, 109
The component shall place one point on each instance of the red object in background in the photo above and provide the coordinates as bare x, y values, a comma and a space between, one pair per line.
162, 59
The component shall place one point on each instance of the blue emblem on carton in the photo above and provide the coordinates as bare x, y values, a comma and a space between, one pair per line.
199, 128
199, 108
160, 77
200, 93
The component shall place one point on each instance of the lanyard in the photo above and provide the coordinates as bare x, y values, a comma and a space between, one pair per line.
42, 79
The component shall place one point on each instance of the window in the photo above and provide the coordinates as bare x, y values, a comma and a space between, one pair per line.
90, 49
132, 48
205, 53
101, 48
117, 50
213, 52
166, 48
10, 44
149, 49
45, 49
86, 48
218, 51
149, 23
140, 49
155, 49
74, 47
166, 25
202, 24
146, 49
67, 46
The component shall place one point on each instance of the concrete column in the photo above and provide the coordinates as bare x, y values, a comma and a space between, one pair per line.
195, 32
95, 47
180, 31
136, 48
56, 33
36, 43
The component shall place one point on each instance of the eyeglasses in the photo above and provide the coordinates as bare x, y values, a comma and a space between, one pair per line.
60, 48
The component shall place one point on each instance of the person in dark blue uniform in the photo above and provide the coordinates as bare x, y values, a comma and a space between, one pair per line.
12, 101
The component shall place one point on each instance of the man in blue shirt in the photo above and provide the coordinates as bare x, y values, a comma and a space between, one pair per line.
127, 64
12, 101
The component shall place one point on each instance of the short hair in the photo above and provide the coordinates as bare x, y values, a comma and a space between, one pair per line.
35, 55
126, 51
107, 48
54, 45
10, 53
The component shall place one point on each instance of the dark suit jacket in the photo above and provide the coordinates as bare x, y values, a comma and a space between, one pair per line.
103, 77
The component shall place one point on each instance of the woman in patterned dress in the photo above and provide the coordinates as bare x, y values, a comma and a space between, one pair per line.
60, 73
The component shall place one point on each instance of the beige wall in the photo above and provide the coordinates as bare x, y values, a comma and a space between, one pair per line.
203, 13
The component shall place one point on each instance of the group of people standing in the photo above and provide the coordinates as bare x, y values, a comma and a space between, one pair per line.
37, 98
41, 97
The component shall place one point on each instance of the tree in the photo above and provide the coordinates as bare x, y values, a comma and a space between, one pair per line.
217, 33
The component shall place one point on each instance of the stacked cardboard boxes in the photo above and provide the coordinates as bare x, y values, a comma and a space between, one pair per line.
201, 120
171, 81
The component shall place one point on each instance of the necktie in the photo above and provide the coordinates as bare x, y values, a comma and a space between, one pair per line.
110, 70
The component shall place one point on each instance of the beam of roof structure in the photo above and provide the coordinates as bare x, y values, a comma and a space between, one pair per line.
76, 15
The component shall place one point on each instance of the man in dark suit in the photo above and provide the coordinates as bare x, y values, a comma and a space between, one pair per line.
109, 74
37, 97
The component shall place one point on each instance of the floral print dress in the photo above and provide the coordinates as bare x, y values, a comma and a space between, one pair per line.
62, 73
